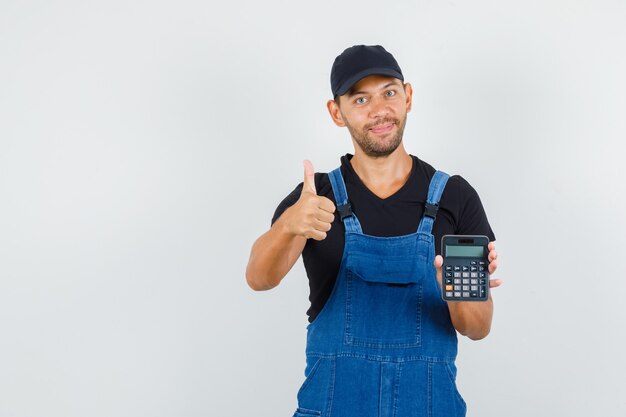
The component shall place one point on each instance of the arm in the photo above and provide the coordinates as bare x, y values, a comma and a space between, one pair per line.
471, 318
276, 251
273, 255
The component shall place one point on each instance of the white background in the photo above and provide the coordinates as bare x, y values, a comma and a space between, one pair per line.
145, 145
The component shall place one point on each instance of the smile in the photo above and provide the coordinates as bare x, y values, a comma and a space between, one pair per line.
382, 128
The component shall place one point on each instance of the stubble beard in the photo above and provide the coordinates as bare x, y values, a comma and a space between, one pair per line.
377, 147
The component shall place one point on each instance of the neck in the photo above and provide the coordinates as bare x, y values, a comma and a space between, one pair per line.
383, 173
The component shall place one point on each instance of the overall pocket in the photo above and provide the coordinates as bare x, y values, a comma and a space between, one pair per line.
383, 303
446, 399
316, 390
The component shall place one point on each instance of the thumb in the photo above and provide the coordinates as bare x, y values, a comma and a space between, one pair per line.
309, 177
438, 263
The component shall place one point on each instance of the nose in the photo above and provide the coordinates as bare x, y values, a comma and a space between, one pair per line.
378, 108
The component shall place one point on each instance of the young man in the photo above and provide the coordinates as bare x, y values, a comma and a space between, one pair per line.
381, 340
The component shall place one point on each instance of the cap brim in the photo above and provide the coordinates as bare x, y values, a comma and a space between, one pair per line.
347, 85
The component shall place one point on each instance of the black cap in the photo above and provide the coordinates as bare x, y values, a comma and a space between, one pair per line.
359, 61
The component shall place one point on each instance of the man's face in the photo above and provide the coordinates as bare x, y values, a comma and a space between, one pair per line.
374, 111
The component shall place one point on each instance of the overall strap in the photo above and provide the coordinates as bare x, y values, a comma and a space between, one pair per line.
435, 189
343, 205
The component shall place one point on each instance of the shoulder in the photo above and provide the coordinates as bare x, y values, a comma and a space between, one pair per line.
456, 186
461, 186
463, 201
459, 196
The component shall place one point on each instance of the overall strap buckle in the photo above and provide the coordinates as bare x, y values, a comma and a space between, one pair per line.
430, 210
344, 211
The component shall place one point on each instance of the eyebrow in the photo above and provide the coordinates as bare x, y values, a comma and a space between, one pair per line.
354, 93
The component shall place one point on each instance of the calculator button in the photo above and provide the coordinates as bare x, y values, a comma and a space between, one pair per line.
449, 294
481, 268
473, 281
449, 287
483, 281
457, 287
465, 287
482, 275
473, 274
473, 268
457, 268
457, 281
466, 268
448, 268
448, 274
474, 288
457, 275
457, 294
481, 263
474, 294
466, 274
466, 294
448, 280
473, 262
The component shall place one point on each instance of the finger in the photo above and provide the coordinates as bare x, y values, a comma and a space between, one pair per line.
491, 246
493, 255
493, 283
309, 177
493, 265
327, 204
322, 226
325, 216
316, 235
438, 262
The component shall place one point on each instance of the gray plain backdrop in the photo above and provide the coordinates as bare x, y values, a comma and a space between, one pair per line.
144, 146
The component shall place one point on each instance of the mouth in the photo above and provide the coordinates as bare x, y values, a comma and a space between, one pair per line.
384, 128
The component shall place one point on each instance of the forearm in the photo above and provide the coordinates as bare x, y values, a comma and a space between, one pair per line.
472, 318
272, 256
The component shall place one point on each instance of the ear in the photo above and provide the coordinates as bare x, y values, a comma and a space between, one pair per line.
335, 112
408, 92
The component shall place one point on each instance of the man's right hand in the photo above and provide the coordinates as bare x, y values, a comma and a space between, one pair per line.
312, 215
275, 252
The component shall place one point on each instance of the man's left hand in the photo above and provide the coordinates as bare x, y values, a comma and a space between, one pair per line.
493, 265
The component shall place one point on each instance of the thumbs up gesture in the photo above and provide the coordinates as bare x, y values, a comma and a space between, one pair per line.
309, 177
312, 215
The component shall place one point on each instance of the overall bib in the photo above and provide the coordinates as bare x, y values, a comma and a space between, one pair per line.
383, 344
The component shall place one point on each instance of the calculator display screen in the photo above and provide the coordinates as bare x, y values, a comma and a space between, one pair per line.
465, 251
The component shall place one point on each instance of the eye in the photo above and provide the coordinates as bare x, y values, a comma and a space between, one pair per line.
390, 93
360, 100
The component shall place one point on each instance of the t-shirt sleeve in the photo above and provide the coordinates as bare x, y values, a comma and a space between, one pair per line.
288, 201
472, 217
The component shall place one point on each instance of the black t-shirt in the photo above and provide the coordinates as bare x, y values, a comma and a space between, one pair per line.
460, 212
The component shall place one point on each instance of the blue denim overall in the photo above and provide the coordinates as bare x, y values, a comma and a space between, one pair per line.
383, 345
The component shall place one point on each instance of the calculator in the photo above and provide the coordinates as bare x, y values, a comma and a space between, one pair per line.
465, 268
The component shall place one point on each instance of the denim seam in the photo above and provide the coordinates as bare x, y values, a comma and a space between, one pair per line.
377, 358
421, 235
348, 333
396, 389
430, 390
331, 388
381, 387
